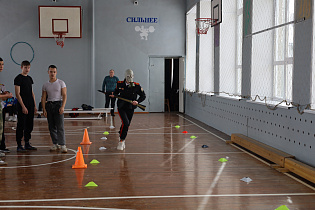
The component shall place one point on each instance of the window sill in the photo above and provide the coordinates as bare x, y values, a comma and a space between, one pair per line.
272, 104
236, 98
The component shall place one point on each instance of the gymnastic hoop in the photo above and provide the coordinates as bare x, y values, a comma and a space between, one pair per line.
21, 43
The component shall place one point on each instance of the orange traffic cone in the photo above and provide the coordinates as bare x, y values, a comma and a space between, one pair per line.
86, 139
79, 161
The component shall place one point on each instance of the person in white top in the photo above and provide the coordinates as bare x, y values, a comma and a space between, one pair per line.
54, 98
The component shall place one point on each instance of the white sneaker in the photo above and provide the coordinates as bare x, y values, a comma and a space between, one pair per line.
121, 145
64, 149
10, 118
14, 118
3, 163
54, 147
2, 154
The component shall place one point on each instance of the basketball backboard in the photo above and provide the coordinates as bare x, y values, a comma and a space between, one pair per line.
216, 11
60, 19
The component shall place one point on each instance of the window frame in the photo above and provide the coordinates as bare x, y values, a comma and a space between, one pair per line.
287, 61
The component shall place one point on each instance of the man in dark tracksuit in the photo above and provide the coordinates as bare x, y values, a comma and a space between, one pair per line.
110, 84
127, 89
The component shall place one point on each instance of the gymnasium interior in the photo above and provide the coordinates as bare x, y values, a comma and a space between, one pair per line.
230, 104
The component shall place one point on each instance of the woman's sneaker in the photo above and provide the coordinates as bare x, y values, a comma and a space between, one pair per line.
64, 149
54, 147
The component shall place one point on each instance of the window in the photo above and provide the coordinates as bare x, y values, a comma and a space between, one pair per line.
206, 73
272, 49
191, 49
283, 50
239, 43
229, 48
313, 65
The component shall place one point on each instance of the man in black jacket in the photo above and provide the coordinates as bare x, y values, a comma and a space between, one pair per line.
127, 89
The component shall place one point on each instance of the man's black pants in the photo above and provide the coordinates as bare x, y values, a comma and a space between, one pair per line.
125, 116
24, 125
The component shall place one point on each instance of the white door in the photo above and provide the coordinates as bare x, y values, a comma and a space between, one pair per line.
156, 84
181, 84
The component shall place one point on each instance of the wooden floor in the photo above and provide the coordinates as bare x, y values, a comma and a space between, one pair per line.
161, 168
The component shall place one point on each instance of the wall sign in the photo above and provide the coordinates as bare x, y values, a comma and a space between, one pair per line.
144, 32
142, 20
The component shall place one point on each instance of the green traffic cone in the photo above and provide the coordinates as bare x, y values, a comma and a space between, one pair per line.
94, 162
91, 185
283, 207
223, 160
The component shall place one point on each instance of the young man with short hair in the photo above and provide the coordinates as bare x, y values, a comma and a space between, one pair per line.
26, 107
54, 98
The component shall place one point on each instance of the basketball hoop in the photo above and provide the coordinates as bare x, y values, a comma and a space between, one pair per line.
203, 24
60, 39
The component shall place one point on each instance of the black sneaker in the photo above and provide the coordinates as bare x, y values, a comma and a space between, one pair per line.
28, 146
5, 150
20, 149
112, 114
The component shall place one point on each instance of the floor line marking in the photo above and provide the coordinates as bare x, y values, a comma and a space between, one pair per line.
101, 133
205, 200
300, 181
157, 128
261, 160
43, 164
169, 153
244, 151
156, 197
202, 128
173, 155
129, 153
25, 155
59, 207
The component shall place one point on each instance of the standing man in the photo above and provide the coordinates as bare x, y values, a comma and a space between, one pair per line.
54, 98
3, 95
127, 89
26, 107
110, 84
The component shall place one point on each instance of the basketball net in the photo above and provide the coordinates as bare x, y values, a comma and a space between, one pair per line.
60, 39
203, 24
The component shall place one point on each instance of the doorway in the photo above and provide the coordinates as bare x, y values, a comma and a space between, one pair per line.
166, 83
171, 88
